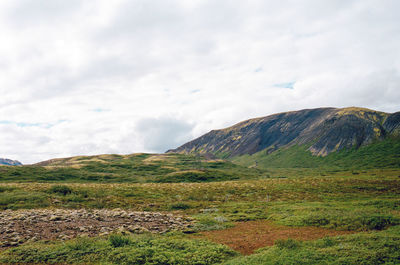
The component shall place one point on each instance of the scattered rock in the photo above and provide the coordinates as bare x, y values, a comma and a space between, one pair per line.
54, 218
17, 227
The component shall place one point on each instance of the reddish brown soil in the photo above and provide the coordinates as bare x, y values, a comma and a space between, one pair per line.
246, 237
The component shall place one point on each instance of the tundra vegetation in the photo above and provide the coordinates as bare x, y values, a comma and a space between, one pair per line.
333, 213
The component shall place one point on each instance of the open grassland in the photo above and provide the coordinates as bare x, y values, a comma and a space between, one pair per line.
362, 206
320, 201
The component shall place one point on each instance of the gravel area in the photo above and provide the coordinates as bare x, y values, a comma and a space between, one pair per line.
17, 227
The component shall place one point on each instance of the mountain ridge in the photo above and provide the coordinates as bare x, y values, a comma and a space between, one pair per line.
9, 162
326, 130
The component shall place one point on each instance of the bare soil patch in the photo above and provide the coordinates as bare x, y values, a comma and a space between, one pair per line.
246, 237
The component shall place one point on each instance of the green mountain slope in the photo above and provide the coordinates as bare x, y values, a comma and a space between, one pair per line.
139, 168
380, 154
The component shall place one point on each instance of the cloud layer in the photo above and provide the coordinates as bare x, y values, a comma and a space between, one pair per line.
90, 77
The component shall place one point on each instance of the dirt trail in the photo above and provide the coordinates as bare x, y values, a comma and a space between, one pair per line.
246, 237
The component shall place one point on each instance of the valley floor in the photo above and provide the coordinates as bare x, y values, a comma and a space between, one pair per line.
331, 219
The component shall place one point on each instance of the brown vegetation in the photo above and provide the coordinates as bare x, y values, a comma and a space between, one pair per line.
246, 237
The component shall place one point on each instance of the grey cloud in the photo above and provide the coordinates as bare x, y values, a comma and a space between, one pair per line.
171, 27
379, 90
27, 13
17, 142
141, 21
161, 134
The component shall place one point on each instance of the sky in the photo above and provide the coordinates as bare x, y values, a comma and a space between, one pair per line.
127, 76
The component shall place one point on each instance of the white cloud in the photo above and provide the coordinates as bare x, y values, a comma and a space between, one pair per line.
132, 76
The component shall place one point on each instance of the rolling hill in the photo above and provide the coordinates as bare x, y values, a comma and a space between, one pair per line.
134, 168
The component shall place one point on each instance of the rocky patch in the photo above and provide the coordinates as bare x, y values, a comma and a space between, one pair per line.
17, 227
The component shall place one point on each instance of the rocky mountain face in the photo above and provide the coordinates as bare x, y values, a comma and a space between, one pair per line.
9, 162
326, 130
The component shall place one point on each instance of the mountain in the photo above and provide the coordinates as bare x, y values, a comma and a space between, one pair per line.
9, 162
320, 132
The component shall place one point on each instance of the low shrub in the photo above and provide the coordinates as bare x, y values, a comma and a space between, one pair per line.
287, 244
351, 222
82, 243
180, 206
119, 240
20, 199
146, 249
60, 189
207, 222
380, 222
4, 189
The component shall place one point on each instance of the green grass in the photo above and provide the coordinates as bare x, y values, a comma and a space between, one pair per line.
118, 249
353, 215
381, 154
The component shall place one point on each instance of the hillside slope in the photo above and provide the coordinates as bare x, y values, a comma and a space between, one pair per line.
322, 130
139, 168
379, 154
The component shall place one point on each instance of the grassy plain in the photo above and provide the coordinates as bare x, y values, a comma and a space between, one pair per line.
365, 202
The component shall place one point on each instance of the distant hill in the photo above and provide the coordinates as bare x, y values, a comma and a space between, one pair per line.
139, 168
9, 162
312, 133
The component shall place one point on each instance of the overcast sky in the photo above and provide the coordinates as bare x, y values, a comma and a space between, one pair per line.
91, 77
